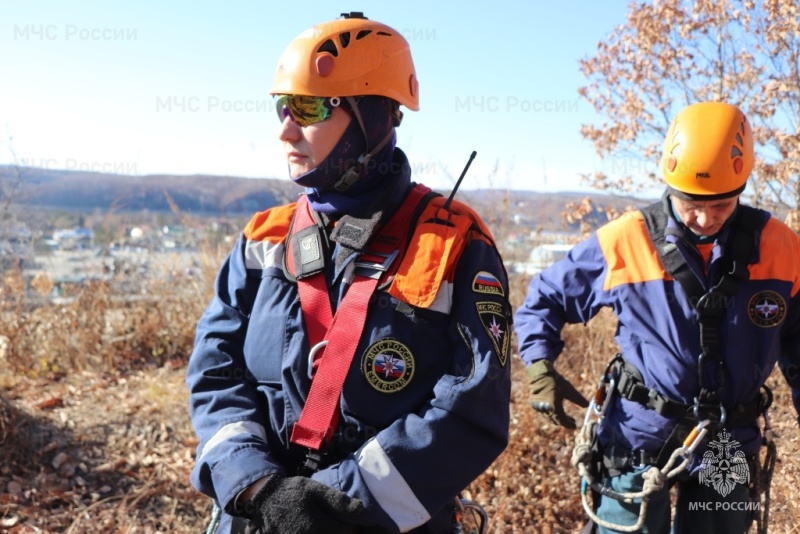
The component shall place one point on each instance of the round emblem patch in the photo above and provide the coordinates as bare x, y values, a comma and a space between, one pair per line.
767, 309
388, 365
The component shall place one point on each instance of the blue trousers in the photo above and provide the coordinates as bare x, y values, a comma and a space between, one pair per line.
699, 509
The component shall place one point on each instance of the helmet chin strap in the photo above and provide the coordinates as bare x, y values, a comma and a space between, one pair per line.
354, 173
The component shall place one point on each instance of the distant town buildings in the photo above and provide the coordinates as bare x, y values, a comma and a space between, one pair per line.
150, 249
68, 257
73, 239
541, 257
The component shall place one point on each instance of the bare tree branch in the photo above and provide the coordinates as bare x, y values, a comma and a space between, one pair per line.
672, 53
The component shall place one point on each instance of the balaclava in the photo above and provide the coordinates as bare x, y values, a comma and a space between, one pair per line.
321, 182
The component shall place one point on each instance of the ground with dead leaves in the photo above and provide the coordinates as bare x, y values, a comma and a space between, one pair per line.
102, 452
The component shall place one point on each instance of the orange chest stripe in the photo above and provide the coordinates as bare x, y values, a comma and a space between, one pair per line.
629, 253
631, 256
779, 255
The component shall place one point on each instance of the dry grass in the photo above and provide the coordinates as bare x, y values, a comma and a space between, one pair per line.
100, 327
95, 434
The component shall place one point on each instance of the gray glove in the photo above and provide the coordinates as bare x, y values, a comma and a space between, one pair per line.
548, 392
299, 505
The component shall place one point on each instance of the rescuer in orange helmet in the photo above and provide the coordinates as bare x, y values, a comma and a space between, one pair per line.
707, 295
359, 336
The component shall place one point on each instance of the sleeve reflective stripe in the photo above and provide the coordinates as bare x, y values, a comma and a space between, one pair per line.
234, 429
263, 254
389, 488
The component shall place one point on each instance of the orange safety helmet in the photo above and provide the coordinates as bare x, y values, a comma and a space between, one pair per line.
708, 153
349, 56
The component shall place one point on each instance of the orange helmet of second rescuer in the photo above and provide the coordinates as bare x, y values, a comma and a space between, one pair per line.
708, 152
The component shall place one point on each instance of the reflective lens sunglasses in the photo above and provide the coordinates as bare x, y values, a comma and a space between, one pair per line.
305, 110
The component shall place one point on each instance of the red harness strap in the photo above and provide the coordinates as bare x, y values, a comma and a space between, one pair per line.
313, 290
342, 331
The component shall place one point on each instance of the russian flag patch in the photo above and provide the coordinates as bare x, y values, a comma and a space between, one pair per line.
486, 282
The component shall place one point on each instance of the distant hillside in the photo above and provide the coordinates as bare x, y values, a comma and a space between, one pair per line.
543, 211
203, 194
78, 190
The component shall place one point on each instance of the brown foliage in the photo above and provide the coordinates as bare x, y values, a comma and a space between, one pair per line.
99, 439
672, 53
98, 326
580, 212
110, 449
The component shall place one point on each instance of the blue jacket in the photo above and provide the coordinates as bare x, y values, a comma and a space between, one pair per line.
408, 442
618, 267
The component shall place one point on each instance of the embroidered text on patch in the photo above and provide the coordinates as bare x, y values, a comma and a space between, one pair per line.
486, 282
388, 365
495, 321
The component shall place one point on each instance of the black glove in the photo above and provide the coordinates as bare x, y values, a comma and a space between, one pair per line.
548, 391
299, 505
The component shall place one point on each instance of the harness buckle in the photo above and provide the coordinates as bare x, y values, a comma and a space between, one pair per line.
379, 262
312, 354
625, 383
312, 463
711, 306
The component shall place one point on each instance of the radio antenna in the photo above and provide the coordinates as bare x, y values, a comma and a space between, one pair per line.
446, 206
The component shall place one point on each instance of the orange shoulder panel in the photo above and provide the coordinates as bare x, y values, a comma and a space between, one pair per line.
271, 225
434, 250
779, 255
460, 208
630, 254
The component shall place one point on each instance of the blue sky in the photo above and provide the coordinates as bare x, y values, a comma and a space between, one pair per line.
182, 87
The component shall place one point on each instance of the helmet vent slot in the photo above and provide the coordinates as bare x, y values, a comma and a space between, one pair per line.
362, 34
384, 33
344, 38
330, 47
735, 152
739, 139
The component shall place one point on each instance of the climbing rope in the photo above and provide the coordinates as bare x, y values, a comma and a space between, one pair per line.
654, 478
216, 514
762, 478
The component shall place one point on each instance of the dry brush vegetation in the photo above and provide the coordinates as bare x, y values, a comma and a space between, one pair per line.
95, 435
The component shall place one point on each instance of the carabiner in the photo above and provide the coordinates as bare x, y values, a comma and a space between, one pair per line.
696, 436
601, 399
612, 387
